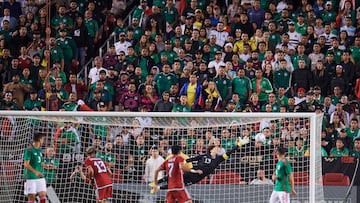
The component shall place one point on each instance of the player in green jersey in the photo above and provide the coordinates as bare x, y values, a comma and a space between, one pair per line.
33, 171
284, 179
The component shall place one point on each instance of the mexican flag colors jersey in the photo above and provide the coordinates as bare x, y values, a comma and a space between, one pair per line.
35, 157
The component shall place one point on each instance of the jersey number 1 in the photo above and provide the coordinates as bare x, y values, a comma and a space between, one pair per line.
100, 166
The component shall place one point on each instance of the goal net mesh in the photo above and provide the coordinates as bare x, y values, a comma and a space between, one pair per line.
124, 141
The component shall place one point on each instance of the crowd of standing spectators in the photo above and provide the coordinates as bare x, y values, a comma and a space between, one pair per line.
191, 56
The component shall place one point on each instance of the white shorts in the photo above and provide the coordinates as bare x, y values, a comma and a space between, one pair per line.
34, 186
279, 197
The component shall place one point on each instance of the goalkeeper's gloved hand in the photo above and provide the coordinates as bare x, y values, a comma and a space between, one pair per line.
243, 141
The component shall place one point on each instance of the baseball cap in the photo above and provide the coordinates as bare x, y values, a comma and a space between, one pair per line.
318, 107
301, 90
317, 87
339, 66
328, 3
124, 72
229, 44
101, 104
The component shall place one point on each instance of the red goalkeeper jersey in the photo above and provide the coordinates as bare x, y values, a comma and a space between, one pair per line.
175, 172
101, 173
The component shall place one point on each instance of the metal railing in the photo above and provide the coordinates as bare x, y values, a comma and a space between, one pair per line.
85, 70
113, 38
103, 49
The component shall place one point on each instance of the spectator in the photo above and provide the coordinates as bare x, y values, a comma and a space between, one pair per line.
77, 86
299, 149
80, 35
93, 29
263, 136
131, 171
261, 86
182, 106
17, 89
356, 150
50, 166
261, 179
256, 15
25, 60
107, 155
308, 105
73, 11
61, 20
165, 79
19, 38
193, 91
347, 141
152, 164
164, 104
73, 104
282, 77
8, 102
95, 71
130, 100
271, 100
302, 77
339, 150
67, 138
148, 97
353, 130
8, 21
343, 115
32, 103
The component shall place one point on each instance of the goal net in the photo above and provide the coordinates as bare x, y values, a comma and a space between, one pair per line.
126, 141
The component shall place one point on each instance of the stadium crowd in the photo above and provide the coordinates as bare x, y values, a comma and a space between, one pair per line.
189, 56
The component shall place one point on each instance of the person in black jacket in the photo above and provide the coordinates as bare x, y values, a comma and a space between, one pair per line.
81, 37
206, 163
164, 105
302, 77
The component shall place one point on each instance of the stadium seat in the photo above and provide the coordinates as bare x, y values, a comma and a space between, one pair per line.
225, 177
203, 181
301, 178
338, 179
117, 176
8, 171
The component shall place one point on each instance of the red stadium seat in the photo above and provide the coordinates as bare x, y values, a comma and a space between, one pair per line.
301, 178
337, 179
225, 177
117, 176
203, 181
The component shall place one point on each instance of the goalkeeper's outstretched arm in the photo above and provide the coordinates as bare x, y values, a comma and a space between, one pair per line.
241, 142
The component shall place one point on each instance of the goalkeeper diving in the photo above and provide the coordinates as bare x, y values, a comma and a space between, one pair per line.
206, 164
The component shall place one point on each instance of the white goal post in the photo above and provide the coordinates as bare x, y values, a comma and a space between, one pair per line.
193, 131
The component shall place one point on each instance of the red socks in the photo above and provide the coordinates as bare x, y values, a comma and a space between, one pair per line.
43, 199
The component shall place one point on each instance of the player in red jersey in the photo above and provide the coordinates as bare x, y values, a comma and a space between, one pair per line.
174, 170
99, 173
